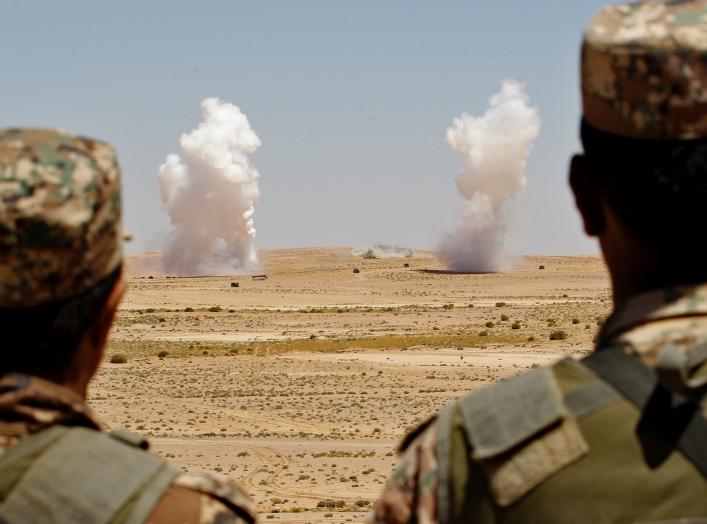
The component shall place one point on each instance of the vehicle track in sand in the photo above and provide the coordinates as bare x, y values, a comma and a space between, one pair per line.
276, 463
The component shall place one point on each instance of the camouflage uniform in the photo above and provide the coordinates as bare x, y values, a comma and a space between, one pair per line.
557, 444
60, 234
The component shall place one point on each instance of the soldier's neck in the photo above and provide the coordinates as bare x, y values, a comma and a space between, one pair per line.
636, 267
630, 280
79, 374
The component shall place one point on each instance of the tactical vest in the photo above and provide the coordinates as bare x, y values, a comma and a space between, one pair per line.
73, 474
596, 441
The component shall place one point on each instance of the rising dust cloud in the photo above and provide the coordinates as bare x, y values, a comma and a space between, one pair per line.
495, 147
210, 196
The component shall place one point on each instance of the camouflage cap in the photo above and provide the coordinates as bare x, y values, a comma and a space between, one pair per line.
60, 229
644, 70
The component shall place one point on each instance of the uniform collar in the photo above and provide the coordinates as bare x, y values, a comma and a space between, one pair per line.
651, 306
29, 404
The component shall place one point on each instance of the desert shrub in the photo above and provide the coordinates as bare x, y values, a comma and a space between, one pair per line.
329, 503
119, 358
150, 310
504, 318
515, 325
356, 270
558, 335
189, 310
531, 339
500, 304
484, 334
489, 324
575, 321
448, 306
163, 354
214, 309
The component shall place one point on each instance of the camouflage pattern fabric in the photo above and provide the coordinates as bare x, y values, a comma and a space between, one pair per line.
30, 404
647, 322
644, 70
60, 210
411, 493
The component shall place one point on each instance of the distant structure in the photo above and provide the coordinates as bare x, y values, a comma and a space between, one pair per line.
382, 251
356, 270
541, 267
260, 277
235, 284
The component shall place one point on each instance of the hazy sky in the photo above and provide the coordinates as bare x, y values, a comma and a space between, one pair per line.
351, 101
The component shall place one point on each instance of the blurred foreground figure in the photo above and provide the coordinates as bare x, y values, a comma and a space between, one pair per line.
60, 285
620, 436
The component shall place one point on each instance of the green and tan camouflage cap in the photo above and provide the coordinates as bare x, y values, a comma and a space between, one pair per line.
644, 70
60, 230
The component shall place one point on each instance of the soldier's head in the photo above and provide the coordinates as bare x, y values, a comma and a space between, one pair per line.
641, 184
60, 253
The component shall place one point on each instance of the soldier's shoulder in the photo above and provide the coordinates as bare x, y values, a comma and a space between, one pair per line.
500, 415
204, 499
519, 431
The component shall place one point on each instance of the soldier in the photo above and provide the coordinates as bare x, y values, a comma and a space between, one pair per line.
620, 436
60, 285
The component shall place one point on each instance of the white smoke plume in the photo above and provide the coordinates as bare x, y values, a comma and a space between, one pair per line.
495, 147
210, 196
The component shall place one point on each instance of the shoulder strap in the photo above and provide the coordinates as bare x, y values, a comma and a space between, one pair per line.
81, 475
444, 467
499, 417
685, 425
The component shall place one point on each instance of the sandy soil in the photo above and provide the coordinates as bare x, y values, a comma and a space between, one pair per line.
299, 386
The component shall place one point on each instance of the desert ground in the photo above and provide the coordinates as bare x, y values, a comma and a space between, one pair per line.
299, 386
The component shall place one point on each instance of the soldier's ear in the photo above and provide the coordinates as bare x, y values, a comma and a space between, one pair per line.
105, 318
588, 195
